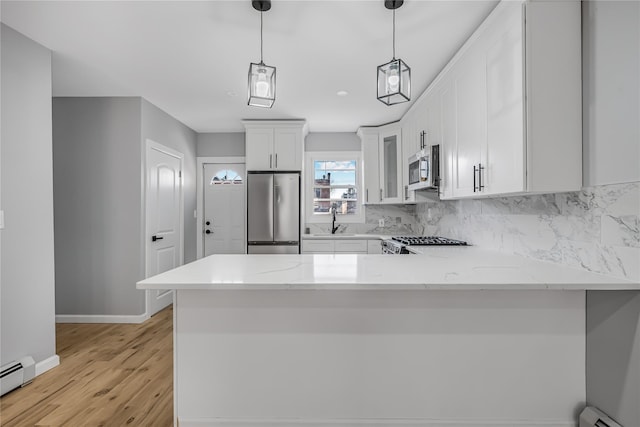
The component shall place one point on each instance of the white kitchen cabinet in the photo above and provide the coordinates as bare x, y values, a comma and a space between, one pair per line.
510, 104
382, 164
336, 246
274, 145
470, 103
390, 152
370, 165
413, 125
350, 246
312, 246
374, 247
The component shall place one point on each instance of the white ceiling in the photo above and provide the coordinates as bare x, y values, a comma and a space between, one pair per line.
187, 56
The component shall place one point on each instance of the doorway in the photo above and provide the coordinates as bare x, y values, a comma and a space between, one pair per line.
221, 206
164, 227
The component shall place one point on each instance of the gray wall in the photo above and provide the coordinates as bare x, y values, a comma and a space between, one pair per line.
27, 266
160, 127
611, 90
99, 146
97, 174
332, 141
613, 354
221, 144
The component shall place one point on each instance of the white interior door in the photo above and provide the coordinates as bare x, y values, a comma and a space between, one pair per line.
163, 218
224, 208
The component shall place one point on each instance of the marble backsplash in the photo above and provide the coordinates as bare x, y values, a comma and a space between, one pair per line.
597, 229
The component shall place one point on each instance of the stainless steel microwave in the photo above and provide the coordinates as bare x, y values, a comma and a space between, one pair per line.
424, 169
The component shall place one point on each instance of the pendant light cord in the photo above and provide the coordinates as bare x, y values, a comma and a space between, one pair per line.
261, 37
394, 34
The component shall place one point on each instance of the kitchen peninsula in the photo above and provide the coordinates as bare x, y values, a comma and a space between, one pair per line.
455, 336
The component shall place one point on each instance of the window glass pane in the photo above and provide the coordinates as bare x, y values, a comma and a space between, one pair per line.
321, 206
335, 186
226, 176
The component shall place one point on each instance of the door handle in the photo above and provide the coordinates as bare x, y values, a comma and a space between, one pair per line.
207, 231
367, 195
480, 169
270, 161
154, 238
381, 194
276, 160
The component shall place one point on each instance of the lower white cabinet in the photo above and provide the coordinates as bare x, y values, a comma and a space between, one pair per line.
317, 246
350, 246
341, 246
374, 247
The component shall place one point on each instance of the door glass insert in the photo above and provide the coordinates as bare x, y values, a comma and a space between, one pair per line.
226, 176
391, 166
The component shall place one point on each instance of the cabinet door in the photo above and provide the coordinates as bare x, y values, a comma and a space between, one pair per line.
370, 168
287, 152
409, 146
446, 95
471, 125
391, 166
505, 106
351, 246
374, 246
317, 246
259, 149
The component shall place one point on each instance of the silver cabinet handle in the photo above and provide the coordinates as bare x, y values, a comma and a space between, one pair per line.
276, 160
406, 192
381, 194
366, 197
478, 187
271, 163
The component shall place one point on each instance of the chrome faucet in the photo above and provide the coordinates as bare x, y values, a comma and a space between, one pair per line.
334, 227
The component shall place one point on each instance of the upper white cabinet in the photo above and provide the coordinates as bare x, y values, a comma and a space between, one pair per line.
390, 150
507, 108
370, 165
511, 104
382, 164
274, 144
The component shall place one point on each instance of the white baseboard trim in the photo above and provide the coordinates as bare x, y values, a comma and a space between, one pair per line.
100, 318
226, 422
46, 364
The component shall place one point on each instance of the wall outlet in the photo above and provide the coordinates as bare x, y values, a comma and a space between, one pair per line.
381, 222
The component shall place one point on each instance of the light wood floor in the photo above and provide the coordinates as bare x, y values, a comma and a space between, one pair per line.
109, 375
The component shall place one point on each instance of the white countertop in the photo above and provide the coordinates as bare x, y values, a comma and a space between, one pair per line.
450, 268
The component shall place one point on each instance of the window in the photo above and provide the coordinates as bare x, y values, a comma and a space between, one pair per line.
226, 176
333, 182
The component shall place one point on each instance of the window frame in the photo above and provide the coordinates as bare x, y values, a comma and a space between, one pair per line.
314, 156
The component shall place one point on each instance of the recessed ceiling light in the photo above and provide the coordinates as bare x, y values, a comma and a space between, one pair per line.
231, 93
342, 93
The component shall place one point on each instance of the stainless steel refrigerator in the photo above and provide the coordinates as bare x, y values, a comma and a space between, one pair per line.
273, 213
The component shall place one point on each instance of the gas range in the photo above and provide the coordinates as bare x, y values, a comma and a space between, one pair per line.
399, 245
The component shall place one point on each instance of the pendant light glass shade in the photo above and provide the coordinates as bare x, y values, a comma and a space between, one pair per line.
394, 77
394, 82
262, 85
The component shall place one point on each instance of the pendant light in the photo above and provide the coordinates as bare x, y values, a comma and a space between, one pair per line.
262, 78
394, 77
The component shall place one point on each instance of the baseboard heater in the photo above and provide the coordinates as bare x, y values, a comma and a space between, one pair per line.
17, 374
593, 417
